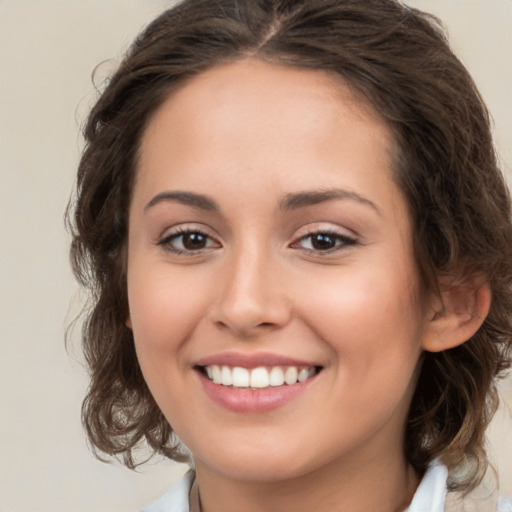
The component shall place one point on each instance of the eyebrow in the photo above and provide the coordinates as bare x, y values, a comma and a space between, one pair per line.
310, 198
187, 198
290, 202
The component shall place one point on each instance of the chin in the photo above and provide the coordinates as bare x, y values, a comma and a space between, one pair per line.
259, 463
262, 471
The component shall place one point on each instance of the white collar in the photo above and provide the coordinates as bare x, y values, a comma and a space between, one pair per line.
431, 493
429, 497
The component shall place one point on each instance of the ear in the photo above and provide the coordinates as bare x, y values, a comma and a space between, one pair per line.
128, 323
456, 314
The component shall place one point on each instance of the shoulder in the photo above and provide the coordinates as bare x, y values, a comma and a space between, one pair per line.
175, 500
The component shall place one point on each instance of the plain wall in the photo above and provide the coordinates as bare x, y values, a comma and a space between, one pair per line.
48, 50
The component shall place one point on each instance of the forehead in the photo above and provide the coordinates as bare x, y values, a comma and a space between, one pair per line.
257, 111
260, 81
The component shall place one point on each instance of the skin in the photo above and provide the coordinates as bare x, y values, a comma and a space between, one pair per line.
247, 135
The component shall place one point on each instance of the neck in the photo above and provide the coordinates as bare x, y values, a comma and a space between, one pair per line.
380, 486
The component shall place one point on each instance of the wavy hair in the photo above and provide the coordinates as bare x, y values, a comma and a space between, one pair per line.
400, 60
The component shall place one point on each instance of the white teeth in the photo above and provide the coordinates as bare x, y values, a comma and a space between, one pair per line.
258, 378
303, 375
216, 375
227, 378
240, 377
290, 375
276, 376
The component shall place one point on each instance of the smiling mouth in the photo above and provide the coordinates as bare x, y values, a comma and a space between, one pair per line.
258, 378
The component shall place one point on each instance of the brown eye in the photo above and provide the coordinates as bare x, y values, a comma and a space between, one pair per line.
188, 242
324, 242
194, 241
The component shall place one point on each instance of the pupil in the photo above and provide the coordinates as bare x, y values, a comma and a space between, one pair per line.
194, 241
323, 242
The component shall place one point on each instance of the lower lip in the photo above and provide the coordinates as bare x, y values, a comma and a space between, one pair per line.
253, 400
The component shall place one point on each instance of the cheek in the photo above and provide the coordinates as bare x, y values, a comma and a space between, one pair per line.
369, 318
164, 311
373, 329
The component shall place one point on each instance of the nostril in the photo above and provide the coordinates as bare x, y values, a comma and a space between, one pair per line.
247, 312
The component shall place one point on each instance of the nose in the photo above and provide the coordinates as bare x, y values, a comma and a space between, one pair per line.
252, 295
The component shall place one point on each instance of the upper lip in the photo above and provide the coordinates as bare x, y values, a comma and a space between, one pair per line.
252, 360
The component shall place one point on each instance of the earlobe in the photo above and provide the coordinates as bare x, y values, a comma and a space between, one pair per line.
128, 323
457, 315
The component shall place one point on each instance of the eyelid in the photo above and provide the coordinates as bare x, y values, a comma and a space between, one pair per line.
176, 232
325, 227
347, 238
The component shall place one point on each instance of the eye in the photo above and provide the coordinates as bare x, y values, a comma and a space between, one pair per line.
324, 242
188, 241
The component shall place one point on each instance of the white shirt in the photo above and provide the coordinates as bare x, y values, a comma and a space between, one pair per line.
429, 497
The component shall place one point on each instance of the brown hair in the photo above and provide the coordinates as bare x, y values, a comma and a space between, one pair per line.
399, 58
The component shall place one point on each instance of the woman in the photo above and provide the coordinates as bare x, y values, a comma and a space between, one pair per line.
298, 241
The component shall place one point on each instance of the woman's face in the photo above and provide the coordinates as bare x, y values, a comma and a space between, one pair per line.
268, 242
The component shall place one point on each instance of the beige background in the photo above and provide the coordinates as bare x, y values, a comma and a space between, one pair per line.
48, 49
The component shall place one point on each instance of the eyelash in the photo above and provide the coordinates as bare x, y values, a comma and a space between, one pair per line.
340, 241
167, 241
